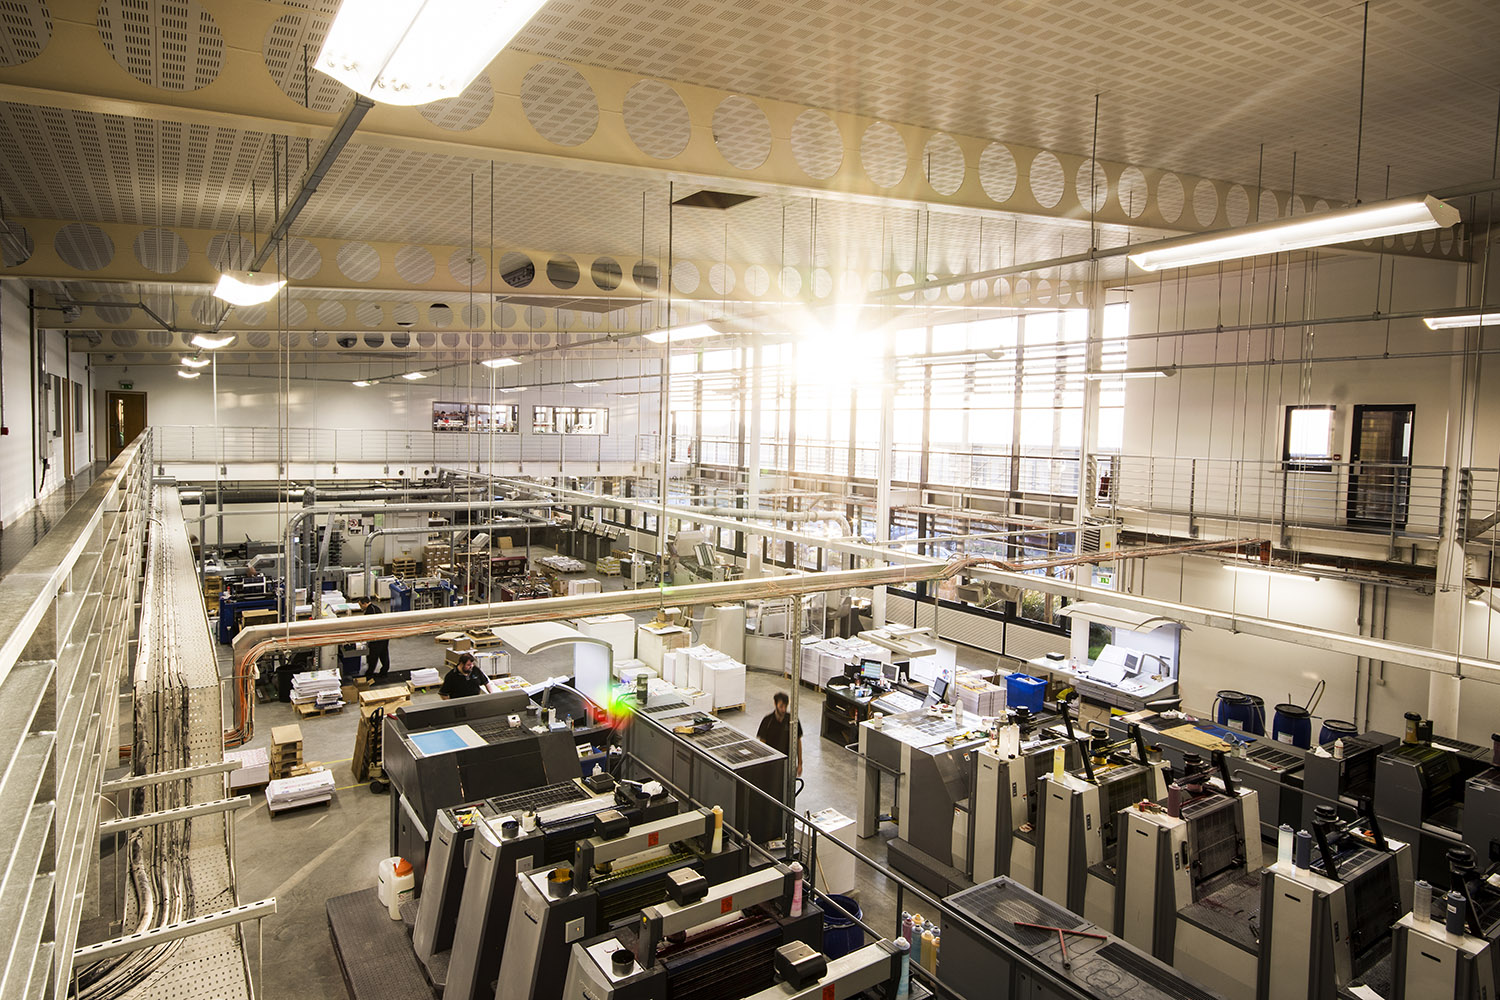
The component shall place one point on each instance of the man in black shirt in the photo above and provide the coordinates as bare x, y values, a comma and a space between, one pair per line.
776, 729
377, 651
465, 680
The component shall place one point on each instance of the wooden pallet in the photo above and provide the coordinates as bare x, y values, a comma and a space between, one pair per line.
730, 708
311, 710
404, 568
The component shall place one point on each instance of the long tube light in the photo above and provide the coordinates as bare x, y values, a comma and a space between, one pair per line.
1129, 373
1362, 222
695, 332
499, 362
247, 288
210, 343
361, 383
184, 373
413, 376
1461, 322
416, 51
196, 362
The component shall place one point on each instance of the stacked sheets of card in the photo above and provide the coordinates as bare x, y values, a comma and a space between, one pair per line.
300, 790
425, 677
317, 687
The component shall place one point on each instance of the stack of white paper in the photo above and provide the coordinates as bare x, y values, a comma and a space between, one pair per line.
302, 790
426, 677
309, 688
254, 769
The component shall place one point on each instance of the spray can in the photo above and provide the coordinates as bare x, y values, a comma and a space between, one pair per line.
906, 928
903, 985
1284, 840
1456, 904
1421, 901
718, 842
1302, 852
796, 867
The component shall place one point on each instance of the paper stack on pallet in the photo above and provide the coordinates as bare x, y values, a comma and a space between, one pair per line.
608, 565
980, 696
703, 668
254, 769
825, 659
317, 687
562, 564
427, 677
302, 790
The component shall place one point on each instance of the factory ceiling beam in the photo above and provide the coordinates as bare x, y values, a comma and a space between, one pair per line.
529, 109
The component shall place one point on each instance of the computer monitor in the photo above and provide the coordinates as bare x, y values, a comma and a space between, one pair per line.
938, 693
870, 670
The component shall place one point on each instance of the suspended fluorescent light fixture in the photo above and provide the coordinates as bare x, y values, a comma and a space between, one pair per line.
417, 51
413, 376
211, 343
247, 288
1362, 222
513, 388
1130, 373
499, 362
1460, 322
695, 332
361, 383
584, 385
184, 373
195, 362
1257, 571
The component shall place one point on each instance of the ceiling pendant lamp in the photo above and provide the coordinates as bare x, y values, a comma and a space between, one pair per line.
195, 362
417, 51
1302, 232
208, 342
247, 288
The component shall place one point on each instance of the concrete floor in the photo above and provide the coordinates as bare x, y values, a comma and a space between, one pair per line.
305, 856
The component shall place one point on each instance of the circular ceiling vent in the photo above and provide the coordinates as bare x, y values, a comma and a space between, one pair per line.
167, 44
559, 104
84, 246
25, 30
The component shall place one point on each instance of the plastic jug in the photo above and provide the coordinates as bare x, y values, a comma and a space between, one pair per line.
395, 884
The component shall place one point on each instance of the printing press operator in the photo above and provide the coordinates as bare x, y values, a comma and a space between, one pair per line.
465, 679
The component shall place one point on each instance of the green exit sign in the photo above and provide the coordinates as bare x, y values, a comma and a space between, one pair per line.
127, 385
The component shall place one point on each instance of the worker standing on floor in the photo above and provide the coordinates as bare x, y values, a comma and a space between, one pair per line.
377, 651
465, 680
776, 729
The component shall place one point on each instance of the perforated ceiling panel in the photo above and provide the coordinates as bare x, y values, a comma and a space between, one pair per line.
1028, 72
291, 45
464, 112
169, 44
104, 168
25, 29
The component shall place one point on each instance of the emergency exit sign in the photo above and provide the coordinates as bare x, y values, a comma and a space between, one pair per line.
127, 385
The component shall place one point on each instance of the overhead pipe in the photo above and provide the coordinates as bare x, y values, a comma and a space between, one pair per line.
254, 642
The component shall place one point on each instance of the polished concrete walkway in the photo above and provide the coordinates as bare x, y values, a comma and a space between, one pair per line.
21, 535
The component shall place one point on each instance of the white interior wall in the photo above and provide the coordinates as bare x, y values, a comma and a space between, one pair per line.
351, 421
16, 467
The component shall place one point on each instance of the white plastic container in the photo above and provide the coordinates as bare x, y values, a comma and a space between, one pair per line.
395, 884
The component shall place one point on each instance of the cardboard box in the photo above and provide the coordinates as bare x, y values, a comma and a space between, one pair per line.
282, 735
389, 697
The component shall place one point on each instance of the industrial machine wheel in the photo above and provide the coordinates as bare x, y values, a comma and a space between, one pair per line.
377, 786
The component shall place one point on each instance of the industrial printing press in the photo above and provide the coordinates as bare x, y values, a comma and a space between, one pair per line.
611, 877
709, 941
507, 833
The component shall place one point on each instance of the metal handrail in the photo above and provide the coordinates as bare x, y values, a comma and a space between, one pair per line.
1397, 499
67, 612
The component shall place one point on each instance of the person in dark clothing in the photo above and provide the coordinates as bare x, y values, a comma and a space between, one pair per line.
776, 729
377, 651
465, 680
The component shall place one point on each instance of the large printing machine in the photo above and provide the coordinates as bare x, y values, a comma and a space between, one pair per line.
1193, 892
473, 843
468, 749
671, 740
712, 939
1013, 942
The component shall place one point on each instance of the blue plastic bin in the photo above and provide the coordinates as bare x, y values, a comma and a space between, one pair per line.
1025, 691
841, 935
